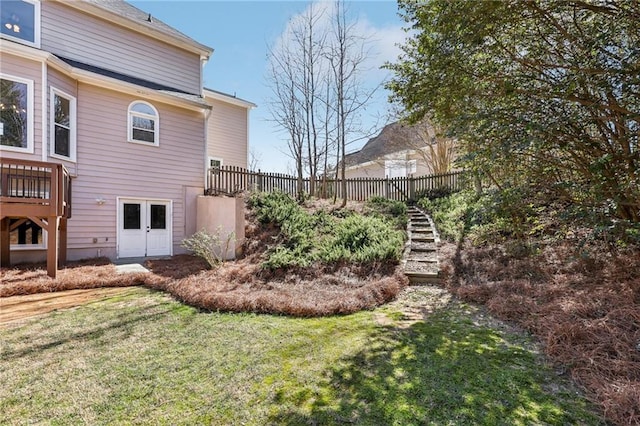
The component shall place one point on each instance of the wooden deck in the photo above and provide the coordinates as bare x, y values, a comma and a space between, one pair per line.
39, 192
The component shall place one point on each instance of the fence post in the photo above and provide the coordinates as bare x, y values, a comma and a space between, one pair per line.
386, 187
412, 188
259, 181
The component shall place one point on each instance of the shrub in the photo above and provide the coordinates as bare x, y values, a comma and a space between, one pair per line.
394, 211
449, 213
273, 207
342, 235
209, 247
362, 239
433, 193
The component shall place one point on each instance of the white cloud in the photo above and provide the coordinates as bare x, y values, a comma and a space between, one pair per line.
382, 42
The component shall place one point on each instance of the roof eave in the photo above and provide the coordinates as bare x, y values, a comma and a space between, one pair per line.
193, 46
214, 94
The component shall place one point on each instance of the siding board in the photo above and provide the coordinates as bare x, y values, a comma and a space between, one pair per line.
227, 133
111, 167
72, 34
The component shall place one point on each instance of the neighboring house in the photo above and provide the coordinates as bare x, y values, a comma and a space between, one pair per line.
398, 151
116, 97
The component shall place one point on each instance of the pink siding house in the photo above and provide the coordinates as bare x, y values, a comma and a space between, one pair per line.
116, 97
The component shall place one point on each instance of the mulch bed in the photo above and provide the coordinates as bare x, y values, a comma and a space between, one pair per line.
239, 286
583, 306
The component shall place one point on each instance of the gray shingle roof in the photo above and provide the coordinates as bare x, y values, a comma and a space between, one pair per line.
394, 137
128, 11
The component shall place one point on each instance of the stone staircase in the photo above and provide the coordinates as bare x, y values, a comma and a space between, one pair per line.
420, 260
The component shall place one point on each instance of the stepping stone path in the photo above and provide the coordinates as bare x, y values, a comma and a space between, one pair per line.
420, 259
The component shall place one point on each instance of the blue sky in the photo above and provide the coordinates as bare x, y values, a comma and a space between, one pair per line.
240, 33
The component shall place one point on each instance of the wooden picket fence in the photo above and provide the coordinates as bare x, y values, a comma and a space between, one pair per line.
230, 180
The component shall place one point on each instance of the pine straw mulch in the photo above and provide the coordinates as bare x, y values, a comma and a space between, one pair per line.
584, 309
237, 286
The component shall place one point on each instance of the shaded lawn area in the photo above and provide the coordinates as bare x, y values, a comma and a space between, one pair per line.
144, 358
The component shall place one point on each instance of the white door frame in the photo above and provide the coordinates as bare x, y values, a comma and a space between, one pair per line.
146, 200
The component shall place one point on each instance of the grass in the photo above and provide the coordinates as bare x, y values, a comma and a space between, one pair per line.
144, 358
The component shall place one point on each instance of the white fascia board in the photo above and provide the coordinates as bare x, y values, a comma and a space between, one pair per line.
186, 44
399, 155
229, 99
130, 88
24, 51
361, 165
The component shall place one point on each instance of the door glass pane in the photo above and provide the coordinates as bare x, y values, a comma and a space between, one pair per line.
158, 216
131, 216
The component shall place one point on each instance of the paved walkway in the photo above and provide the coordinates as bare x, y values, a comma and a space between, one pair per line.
17, 308
421, 263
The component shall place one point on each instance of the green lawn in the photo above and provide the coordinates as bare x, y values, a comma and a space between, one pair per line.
146, 359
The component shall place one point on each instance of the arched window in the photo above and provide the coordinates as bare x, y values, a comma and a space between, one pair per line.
143, 123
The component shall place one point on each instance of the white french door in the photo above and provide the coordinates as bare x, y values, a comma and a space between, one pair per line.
144, 228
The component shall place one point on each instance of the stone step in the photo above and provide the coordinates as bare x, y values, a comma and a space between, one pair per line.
422, 229
425, 256
430, 239
418, 279
421, 264
423, 248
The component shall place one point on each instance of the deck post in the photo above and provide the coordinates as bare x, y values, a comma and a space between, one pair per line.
5, 242
62, 253
52, 245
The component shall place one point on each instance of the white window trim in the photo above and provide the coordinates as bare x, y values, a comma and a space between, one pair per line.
72, 127
396, 165
215, 159
156, 119
208, 169
30, 116
412, 166
36, 27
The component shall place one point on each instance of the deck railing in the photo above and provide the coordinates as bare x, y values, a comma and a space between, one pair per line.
35, 187
230, 180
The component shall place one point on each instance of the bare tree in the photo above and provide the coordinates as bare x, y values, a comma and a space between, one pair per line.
315, 76
347, 54
285, 107
429, 143
300, 59
255, 158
